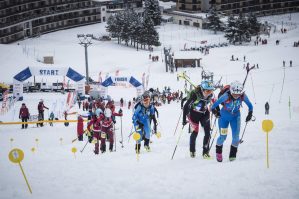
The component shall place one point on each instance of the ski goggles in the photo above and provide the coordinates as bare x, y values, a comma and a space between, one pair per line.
236, 96
207, 91
146, 100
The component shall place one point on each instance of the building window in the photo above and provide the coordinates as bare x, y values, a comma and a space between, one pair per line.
196, 24
186, 23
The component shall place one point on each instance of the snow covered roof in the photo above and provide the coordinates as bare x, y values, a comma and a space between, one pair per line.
196, 15
187, 55
102, 0
166, 17
167, 5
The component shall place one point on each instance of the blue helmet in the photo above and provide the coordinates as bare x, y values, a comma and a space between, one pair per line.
207, 85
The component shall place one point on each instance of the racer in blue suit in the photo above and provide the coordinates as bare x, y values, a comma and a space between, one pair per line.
230, 114
143, 114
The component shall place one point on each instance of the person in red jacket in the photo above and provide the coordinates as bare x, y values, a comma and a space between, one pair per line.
24, 115
40, 108
107, 130
80, 127
94, 129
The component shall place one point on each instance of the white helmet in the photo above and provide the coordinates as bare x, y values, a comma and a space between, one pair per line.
236, 88
107, 112
98, 112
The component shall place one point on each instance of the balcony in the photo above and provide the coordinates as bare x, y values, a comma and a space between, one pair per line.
31, 15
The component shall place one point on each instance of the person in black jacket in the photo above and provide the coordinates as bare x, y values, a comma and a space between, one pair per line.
267, 107
196, 109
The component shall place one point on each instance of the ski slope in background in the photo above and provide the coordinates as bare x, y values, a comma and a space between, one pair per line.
54, 172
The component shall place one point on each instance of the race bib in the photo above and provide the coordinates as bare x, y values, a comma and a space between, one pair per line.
223, 131
198, 107
103, 135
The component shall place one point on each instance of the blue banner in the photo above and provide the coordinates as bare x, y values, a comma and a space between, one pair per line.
23, 75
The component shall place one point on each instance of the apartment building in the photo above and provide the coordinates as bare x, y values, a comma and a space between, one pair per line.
20, 19
189, 5
260, 7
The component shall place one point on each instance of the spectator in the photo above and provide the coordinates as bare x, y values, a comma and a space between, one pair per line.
24, 115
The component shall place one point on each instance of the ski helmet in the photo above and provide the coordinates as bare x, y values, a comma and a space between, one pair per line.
236, 88
98, 112
145, 95
108, 98
107, 112
207, 85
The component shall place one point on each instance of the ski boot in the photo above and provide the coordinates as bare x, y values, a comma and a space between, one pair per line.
111, 147
233, 153
96, 150
192, 154
103, 149
80, 137
205, 153
219, 153
147, 148
146, 144
137, 148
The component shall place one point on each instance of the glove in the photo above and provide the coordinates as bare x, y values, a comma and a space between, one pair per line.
184, 123
216, 113
120, 111
249, 116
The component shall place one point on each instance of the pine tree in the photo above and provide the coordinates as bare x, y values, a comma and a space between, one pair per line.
254, 25
125, 27
243, 34
114, 26
136, 27
149, 33
231, 30
111, 26
152, 10
214, 22
128, 25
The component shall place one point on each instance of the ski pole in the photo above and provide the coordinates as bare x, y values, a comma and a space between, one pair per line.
130, 133
213, 140
247, 76
177, 142
213, 126
241, 140
114, 134
74, 140
121, 132
178, 122
211, 131
84, 146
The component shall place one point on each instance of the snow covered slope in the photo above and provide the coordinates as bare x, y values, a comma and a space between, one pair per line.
54, 172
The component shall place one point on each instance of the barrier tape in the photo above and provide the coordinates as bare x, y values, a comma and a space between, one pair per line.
44, 121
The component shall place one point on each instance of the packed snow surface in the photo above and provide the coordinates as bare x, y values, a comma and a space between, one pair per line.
53, 171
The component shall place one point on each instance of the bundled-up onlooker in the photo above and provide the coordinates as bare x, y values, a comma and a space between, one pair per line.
24, 115
40, 109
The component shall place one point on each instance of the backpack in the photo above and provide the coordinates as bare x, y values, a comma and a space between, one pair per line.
224, 90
